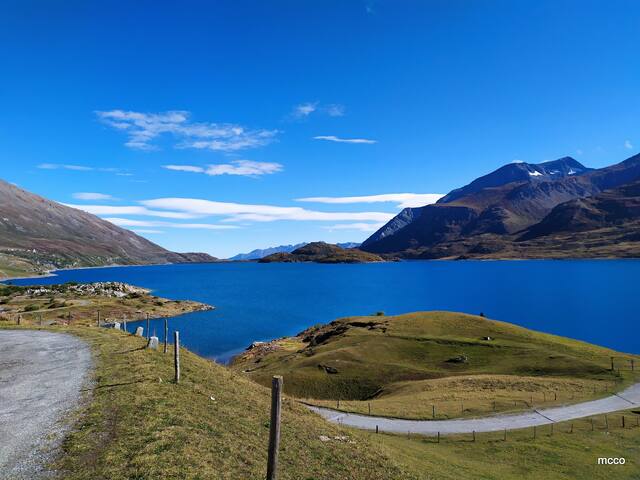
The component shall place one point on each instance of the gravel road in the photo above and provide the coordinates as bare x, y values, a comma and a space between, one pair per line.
41, 377
627, 399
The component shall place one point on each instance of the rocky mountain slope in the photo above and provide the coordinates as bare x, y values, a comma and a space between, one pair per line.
497, 208
46, 235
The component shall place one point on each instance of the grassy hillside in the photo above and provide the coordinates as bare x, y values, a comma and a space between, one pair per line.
138, 424
463, 365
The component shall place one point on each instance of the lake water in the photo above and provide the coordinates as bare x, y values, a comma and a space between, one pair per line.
593, 300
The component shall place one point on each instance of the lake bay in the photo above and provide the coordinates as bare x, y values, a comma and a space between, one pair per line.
593, 300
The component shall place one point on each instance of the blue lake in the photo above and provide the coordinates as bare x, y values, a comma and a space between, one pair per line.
593, 300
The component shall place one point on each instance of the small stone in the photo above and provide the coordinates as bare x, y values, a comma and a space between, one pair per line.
324, 438
139, 331
153, 343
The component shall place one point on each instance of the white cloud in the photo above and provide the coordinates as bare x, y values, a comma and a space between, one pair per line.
363, 227
143, 128
92, 196
247, 168
628, 145
518, 161
259, 213
335, 110
404, 200
184, 168
304, 109
127, 222
57, 166
333, 138
144, 230
129, 210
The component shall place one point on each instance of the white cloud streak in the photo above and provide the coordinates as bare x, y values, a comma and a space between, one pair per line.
129, 210
143, 129
127, 222
404, 200
304, 110
363, 227
258, 213
333, 138
92, 196
628, 145
245, 168
148, 231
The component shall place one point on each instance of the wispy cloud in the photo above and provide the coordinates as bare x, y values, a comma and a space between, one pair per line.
80, 168
403, 200
304, 110
130, 210
335, 110
148, 231
333, 138
143, 129
362, 227
58, 166
628, 145
246, 168
92, 196
127, 222
258, 213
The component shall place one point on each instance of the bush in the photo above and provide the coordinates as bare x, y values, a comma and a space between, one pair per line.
31, 308
380, 314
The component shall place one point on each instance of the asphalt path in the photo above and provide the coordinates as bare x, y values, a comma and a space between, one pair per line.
626, 399
41, 378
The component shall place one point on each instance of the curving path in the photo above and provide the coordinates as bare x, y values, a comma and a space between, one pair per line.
629, 398
41, 377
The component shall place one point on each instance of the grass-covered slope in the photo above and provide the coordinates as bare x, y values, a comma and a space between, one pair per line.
213, 425
403, 365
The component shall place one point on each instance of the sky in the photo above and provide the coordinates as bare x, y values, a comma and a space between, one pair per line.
232, 125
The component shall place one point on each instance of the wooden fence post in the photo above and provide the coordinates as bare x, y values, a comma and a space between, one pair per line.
474, 435
176, 354
534, 432
592, 427
376, 428
438, 437
632, 364
505, 435
612, 364
369, 405
606, 422
98, 317
166, 334
274, 427
622, 421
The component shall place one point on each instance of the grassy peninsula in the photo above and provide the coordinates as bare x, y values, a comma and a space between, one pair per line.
439, 365
79, 304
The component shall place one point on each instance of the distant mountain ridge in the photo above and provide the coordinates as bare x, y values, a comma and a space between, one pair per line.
496, 207
44, 234
260, 253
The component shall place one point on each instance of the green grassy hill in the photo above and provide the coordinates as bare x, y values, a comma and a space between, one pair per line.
404, 365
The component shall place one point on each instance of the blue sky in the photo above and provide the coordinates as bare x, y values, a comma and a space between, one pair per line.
202, 126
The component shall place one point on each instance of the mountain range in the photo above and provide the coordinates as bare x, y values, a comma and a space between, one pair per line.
523, 210
37, 234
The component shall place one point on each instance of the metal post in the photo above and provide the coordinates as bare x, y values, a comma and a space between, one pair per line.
274, 427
